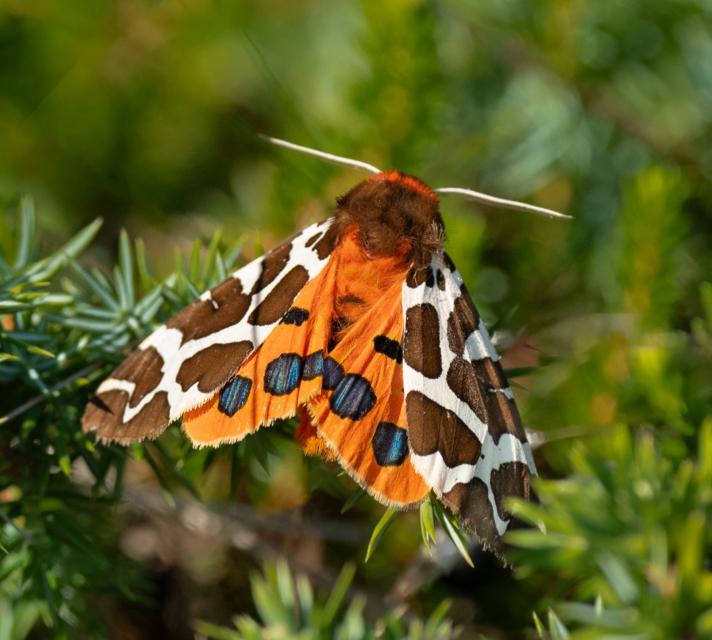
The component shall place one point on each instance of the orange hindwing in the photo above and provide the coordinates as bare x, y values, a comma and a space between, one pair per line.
278, 377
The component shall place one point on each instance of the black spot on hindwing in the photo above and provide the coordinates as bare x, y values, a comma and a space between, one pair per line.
353, 397
283, 374
333, 374
296, 316
313, 365
388, 347
390, 444
234, 394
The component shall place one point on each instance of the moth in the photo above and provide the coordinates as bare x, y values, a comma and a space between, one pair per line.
362, 327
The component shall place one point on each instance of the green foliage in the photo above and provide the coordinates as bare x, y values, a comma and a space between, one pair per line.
430, 511
626, 537
67, 324
288, 608
54, 535
555, 629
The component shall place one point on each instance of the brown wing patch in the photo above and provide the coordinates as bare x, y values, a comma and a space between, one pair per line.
147, 423
440, 429
272, 265
143, 367
313, 239
463, 380
211, 367
463, 320
421, 348
226, 305
419, 275
471, 502
511, 479
502, 413
278, 301
328, 241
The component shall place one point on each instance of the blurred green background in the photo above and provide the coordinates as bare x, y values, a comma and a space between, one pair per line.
146, 113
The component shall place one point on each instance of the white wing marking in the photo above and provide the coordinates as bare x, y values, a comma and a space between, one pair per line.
478, 346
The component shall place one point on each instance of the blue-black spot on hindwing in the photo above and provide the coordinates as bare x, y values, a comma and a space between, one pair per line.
296, 316
283, 374
388, 347
234, 394
333, 374
313, 365
353, 397
390, 444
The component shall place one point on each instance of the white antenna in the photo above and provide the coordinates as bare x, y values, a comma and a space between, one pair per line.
468, 193
502, 202
321, 154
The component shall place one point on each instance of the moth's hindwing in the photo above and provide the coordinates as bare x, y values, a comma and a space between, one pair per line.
465, 433
347, 382
361, 414
184, 362
279, 376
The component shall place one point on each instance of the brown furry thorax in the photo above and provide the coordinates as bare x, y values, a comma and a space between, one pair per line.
393, 209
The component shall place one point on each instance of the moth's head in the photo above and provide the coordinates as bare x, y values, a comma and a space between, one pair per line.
391, 208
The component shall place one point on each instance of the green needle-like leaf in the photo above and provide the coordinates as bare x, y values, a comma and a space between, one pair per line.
453, 532
26, 240
380, 528
126, 268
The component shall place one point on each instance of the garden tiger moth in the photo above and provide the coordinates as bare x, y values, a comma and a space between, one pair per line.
362, 327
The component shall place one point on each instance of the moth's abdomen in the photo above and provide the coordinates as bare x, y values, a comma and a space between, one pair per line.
363, 280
